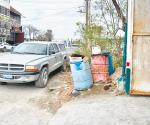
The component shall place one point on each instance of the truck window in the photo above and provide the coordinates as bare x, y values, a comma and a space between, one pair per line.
62, 47
51, 48
56, 49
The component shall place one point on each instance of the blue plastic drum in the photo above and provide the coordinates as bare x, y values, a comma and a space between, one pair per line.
82, 76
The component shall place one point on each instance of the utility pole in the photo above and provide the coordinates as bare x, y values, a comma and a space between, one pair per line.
87, 7
87, 21
29, 32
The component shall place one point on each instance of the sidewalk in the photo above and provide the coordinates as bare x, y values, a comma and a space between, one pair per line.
104, 110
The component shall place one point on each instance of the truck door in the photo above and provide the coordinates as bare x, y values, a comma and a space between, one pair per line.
52, 58
58, 54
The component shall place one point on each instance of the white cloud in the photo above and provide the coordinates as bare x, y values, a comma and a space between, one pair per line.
59, 15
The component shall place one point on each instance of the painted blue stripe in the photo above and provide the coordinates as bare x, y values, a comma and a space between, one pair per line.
127, 83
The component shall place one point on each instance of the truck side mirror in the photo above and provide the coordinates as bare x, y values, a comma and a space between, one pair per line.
52, 52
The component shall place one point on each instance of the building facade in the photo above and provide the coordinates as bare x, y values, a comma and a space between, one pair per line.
4, 20
16, 34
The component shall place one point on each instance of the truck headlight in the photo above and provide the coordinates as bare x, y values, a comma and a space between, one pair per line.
31, 69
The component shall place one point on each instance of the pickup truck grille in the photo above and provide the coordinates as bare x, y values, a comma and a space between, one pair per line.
11, 67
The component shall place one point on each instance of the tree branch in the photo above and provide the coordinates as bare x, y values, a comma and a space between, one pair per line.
119, 12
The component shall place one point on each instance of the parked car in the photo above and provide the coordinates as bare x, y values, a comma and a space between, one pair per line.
30, 62
5, 46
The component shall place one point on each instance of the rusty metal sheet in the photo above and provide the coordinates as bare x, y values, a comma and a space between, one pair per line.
99, 68
99, 60
100, 77
141, 16
141, 65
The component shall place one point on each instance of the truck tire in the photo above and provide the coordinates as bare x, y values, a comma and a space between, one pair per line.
3, 83
4, 49
65, 64
63, 67
43, 78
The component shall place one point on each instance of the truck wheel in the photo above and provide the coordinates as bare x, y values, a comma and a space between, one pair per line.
65, 65
4, 49
43, 78
63, 68
3, 83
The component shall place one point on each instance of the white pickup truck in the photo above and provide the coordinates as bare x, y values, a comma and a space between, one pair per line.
30, 62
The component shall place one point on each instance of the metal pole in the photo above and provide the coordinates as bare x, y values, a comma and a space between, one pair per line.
125, 46
88, 7
124, 53
14, 37
88, 2
87, 12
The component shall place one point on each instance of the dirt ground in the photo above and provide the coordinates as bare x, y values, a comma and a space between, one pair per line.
27, 105
60, 89
24, 104
98, 105
104, 110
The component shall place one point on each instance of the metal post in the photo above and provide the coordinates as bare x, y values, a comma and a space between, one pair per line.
88, 4
87, 13
124, 53
14, 37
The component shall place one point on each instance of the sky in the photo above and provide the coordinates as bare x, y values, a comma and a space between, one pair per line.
60, 16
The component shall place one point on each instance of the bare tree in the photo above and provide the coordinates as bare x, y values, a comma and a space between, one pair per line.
49, 35
111, 15
30, 31
41, 36
119, 11
45, 36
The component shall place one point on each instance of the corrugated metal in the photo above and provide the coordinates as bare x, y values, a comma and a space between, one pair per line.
141, 16
139, 46
99, 60
100, 77
141, 64
100, 68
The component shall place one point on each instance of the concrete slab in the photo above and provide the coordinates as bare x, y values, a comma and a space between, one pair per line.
104, 110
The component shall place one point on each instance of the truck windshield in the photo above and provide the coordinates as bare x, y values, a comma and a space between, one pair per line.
31, 48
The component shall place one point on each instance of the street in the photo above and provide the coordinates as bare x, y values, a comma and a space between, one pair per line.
22, 104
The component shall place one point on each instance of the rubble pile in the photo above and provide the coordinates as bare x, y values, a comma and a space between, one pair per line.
116, 75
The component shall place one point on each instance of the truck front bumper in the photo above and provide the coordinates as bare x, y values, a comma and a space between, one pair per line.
18, 77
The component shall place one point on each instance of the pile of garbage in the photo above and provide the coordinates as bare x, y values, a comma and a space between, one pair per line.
118, 82
89, 72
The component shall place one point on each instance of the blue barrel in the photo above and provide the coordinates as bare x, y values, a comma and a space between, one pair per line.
81, 73
111, 67
110, 62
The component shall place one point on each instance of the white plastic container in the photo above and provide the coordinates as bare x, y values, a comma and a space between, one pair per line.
76, 59
96, 50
